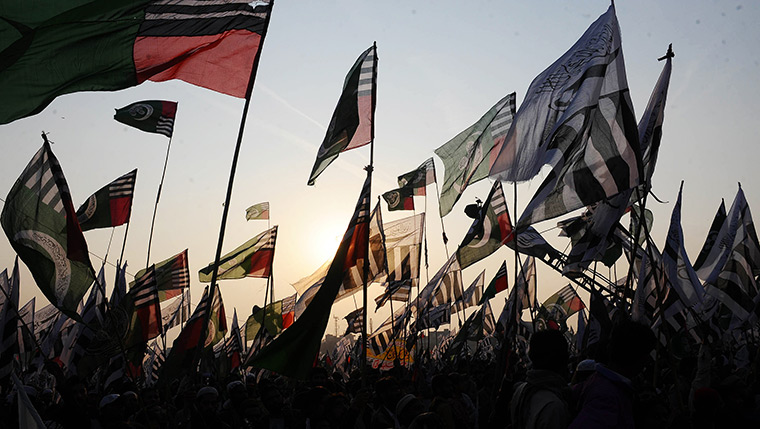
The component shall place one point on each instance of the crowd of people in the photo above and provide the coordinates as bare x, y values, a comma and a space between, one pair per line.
622, 387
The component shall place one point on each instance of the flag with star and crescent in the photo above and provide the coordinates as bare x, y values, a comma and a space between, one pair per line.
490, 229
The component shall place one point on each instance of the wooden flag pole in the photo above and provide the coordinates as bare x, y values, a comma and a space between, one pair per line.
233, 168
158, 197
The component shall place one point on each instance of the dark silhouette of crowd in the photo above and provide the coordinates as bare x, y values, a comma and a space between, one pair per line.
621, 386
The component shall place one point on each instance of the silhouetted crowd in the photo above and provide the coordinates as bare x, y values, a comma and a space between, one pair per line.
623, 387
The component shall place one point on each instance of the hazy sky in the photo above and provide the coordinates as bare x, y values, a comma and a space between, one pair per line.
442, 64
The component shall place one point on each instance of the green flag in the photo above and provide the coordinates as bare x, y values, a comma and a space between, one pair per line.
49, 49
257, 211
489, 231
41, 225
467, 157
251, 259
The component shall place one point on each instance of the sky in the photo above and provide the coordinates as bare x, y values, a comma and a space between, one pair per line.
442, 65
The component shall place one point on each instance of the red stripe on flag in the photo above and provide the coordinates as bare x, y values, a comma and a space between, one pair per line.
220, 62
120, 209
261, 263
500, 283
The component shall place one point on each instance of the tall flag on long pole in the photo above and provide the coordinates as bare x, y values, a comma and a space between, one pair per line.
489, 231
293, 352
110, 206
152, 116
251, 259
578, 118
468, 157
106, 47
42, 226
351, 123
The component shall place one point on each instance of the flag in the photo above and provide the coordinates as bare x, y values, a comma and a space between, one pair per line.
578, 118
26, 344
276, 316
355, 321
395, 291
293, 352
489, 231
419, 178
473, 294
400, 199
110, 206
449, 288
172, 276
725, 240
498, 283
251, 259
467, 157
154, 358
403, 243
177, 312
120, 284
351, 125
650, 125
234, 347
106, 46
28, 417
9, 321
563, 304
152, 116
712, 234
39, 219
530, 242
257, 211
145, 323
676, 262
433, 318
526, 283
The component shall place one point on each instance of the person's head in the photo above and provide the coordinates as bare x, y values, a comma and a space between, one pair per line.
388, 392
629, 346
583, 370
207, 400
548, 351
237, 392
409, 407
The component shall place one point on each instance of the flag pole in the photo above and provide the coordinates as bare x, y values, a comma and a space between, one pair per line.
369, 169
158, 197
233, 168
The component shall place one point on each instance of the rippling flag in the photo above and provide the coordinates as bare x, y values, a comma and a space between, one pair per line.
152, 116
110, 206
56, 48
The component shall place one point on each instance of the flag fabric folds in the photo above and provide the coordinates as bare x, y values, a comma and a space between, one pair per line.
650, 125
351, 125
275, 316
146, 320
110, 206
467, 157
251, 259
152, 116
473, 294
355, 321
293, 352
9, 321
498, 283
106, 46
257, 211
39, 219
400, 199
563, 304
418, 179
489, 231
712, 234
172, 276
578, 118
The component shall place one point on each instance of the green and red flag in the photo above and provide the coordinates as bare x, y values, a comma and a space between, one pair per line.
257, 211
468, 157
145, 323
351, 123
55, 48
400, 199
563, 304
110, 206
152, 116
172, 276
39, 219
489, 231
275, 316
419, 178
251, 259
498, 284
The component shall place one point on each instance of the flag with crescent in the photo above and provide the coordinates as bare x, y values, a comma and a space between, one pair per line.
110, 206
490, 229
42, 226
257, 211
152, 116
